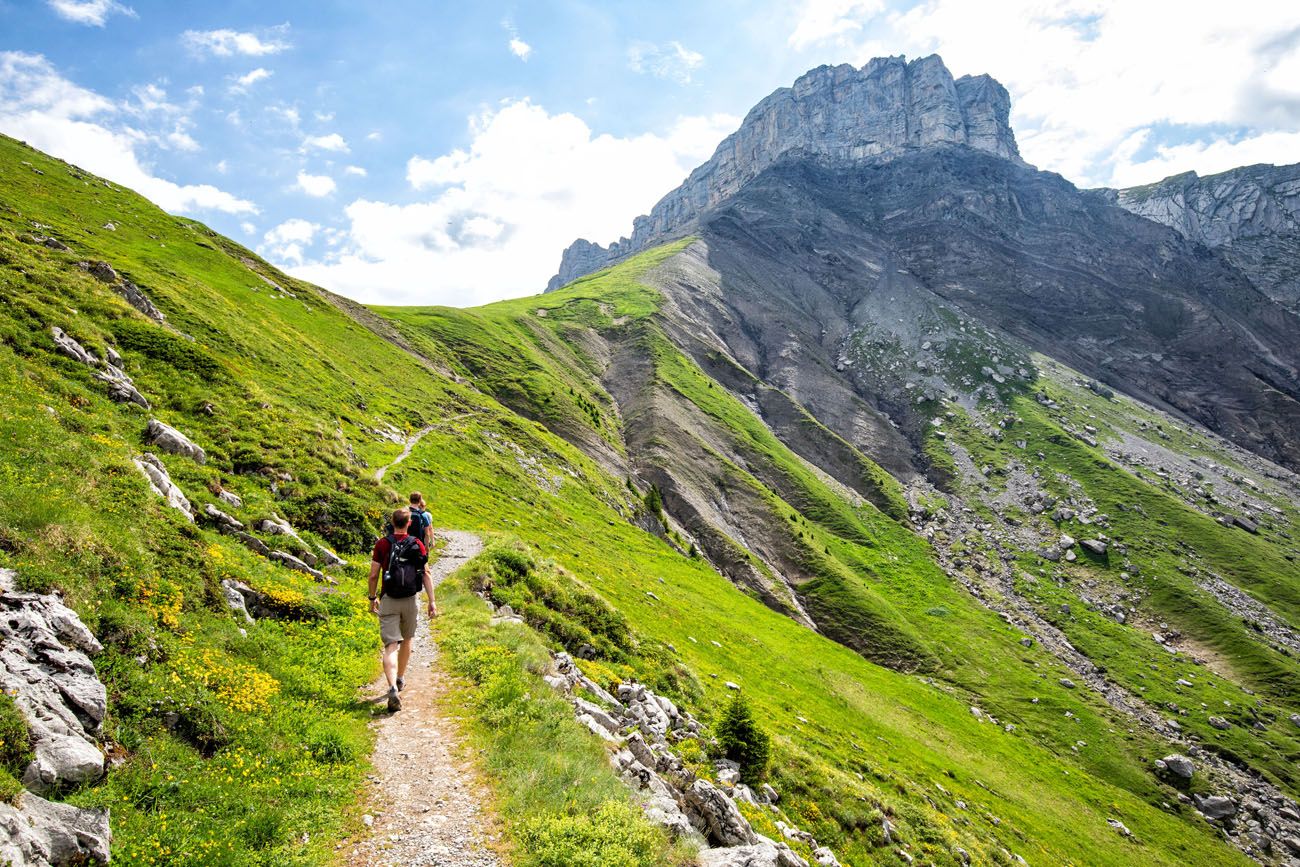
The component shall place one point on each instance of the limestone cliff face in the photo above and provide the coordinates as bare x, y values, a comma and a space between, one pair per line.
838, 115
1251, 214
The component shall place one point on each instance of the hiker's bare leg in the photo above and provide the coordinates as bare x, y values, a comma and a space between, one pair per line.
404, 656
390, 661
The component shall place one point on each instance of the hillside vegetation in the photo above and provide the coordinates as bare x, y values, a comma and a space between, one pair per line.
237, 743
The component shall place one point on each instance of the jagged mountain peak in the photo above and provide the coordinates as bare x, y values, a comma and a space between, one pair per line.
836, 114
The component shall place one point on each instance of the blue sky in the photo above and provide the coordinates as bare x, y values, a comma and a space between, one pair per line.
410, 152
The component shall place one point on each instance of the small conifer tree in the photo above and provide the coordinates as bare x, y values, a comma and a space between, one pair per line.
742, 741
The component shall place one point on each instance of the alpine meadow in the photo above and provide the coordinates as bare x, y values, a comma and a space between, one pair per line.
880, 499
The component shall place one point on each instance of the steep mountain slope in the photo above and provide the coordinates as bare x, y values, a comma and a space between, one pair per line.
1250, 214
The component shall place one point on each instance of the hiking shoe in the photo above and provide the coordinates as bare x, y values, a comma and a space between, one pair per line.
401, 684
394, 700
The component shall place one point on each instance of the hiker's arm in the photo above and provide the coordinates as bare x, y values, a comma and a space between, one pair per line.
428, 588
374, 587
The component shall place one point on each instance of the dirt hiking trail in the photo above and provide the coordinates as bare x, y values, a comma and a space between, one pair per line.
425, 800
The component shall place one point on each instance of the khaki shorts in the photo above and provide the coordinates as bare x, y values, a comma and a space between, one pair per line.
397, 618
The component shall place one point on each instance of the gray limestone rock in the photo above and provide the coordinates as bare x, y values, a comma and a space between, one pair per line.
221, 519
1215, 806
233, 591
140, 301
169, 439
1250, 214
763, 853
35, 832
1179, 767
72, 348
161, 484
45, 666
293, 562
716, 816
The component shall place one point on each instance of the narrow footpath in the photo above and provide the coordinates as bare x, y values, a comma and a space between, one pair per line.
425, 803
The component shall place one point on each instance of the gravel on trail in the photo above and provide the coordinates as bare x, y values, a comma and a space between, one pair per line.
426, 803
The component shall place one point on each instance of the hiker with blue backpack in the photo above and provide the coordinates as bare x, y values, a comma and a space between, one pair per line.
399, 569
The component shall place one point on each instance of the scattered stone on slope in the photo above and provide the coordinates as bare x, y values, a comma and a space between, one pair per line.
225, 523
161, 483
1215, 806
120, 386
168, 439
230, 498
764, 853
234, 594
35, 832
286, 559
72, 348
137, 299
642, 724
1179, 767
44, 665
105, 273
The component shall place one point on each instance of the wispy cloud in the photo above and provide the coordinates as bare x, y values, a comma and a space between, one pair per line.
242, 83
672, 60
89, 12
43, 108
228, 43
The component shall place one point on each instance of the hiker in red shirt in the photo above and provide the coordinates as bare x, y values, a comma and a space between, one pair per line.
402, 561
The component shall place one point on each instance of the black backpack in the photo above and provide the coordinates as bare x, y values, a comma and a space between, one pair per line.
405, 573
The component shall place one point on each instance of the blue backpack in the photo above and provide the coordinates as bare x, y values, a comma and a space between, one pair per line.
420, 522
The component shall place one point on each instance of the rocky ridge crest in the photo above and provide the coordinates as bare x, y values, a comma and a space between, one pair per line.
1251, 214
838, 114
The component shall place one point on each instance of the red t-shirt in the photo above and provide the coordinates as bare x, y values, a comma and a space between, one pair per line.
383, 549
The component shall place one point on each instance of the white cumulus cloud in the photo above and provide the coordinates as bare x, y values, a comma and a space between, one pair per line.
672, 60
49, 112
90, 12
1085, 76
331, 142
228, 43
498, 212
357, 171
519, 48
316, 185
285, 242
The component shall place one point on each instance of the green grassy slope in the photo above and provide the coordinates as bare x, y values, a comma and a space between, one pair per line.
269, 741
238, 746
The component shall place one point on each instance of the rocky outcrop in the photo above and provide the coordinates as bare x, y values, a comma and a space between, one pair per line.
35, 832
131, 293
641, 726
286, 559
44, 665
120, 387
836, 114
168, 439
1250, 214
162, 485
